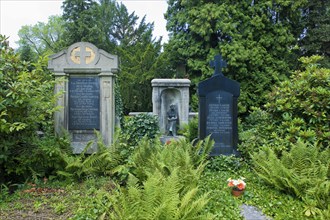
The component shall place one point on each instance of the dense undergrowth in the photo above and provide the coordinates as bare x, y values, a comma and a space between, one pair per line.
91, 199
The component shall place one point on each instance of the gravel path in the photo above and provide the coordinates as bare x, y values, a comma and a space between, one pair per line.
252, 213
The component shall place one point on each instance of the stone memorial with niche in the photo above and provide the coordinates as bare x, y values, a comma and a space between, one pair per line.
88, 99
169, 97
218, 110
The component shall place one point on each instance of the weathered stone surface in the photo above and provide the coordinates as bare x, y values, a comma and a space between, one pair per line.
88, 99
166, 92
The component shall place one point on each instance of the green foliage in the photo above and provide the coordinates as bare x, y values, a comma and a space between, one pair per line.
163, 182
255, 132
316, 40
41, 38
272, 203
26, 106
190, 131
135, 128
119, 104
160, 180
26, 97
300, 106
81, 23
296, 109
100, 163
254, 38
159, 198
302, 172
225, 163
150, 156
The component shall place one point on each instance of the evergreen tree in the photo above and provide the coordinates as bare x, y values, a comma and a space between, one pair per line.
316, 38
81, 23
255, 37
140, 59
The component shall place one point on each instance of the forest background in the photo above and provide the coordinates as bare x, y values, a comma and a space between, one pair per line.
261, 41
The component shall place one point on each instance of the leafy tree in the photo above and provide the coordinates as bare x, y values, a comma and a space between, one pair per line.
36, 40
255, 38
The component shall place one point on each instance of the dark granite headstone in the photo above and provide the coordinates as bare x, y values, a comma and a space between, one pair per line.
218, 110
84, 103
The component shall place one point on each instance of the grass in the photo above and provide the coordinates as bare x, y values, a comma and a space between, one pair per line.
89, 199
272, 203
56, 200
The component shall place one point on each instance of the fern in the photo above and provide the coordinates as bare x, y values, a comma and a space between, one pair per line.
159, 198
303, 171
103, 162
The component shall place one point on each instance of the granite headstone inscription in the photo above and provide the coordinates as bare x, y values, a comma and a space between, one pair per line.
84, 103
218, 110
88, 100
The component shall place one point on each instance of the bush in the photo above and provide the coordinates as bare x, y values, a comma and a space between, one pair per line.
300, 106
296, 109
135, 128
190, 130
160, 198
26, 105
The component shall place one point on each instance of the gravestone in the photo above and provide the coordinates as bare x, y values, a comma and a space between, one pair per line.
87, 103
218, 110
167, 92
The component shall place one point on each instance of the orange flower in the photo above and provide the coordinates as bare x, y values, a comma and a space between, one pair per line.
241, 186
231, 184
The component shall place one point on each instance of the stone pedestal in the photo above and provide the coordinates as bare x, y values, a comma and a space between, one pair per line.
166, 92
87, 103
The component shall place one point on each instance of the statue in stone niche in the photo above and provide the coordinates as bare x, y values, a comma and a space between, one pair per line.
172, 117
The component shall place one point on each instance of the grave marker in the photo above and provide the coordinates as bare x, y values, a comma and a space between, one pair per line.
218, 110
88, 102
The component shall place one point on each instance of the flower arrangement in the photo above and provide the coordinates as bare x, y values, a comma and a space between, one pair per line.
238, 184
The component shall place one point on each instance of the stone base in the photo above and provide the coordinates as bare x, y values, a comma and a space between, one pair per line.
80, 139
164, 139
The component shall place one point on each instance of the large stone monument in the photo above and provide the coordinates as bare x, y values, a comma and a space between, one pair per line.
88, 99
170, 101
218, 110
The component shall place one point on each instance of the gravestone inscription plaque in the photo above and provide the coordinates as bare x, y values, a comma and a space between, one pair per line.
218, 110
84, 103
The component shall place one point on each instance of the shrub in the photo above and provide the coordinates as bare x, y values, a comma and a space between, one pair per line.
135, 128
300, 106
190, 130
296, 109
255, 132
101, 163
26, 105
163, 182
225, 163
149, 157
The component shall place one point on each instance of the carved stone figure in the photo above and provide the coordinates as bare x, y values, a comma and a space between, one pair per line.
172, 117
